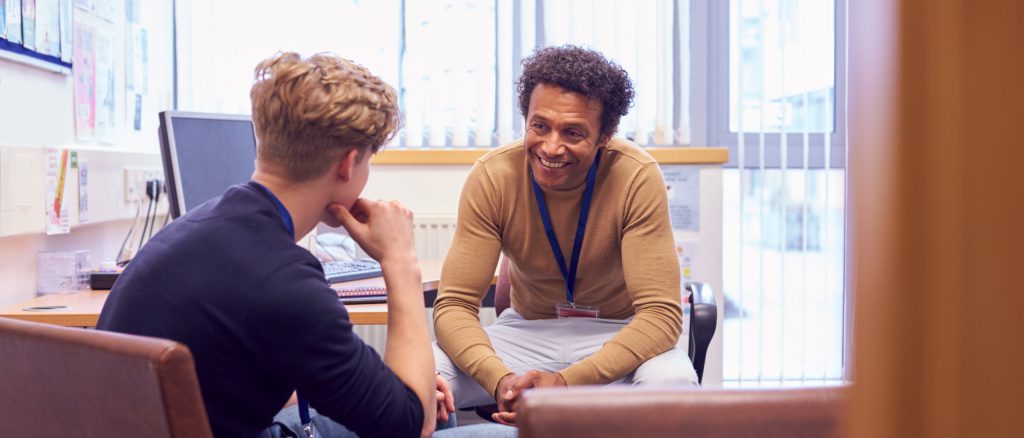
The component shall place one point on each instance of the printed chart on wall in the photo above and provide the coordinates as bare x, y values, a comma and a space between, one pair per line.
59, 163
84, 70
109, 94
683, 187
105, 47
38, 30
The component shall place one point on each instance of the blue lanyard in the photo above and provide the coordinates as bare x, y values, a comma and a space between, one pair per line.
290, 225
285, 216
569, 274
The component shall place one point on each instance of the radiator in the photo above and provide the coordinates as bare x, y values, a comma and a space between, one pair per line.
433, 235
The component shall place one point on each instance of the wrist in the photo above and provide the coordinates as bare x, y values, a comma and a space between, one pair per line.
502, 385
400, 261
560, 379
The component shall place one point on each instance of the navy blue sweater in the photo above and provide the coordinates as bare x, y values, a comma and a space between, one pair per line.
228, 281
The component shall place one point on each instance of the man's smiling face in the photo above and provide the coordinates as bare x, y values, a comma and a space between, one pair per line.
563, 134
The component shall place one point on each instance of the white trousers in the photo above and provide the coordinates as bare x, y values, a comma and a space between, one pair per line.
554, 344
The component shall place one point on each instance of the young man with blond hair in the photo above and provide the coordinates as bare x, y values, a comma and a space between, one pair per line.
228, 280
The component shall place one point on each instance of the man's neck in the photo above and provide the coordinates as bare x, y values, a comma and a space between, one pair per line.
300, 201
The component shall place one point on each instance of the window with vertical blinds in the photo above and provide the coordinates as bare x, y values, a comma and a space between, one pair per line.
454, 63
784, 191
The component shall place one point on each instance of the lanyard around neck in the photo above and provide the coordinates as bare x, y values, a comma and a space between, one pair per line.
568, 273
283, 212
288, 224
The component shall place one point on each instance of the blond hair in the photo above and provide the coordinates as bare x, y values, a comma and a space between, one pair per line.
308, 112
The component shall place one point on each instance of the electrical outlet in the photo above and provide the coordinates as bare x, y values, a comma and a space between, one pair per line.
135, 182
131, 187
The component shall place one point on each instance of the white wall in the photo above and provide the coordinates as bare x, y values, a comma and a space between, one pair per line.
36, 113
24, 137
22, 214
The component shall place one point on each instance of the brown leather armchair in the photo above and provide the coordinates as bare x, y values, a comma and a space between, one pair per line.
620, 411
59, 381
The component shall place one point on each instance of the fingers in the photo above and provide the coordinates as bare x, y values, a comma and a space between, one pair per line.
354, 225
444, 394
442, 412
531, 379
506, 418
449, 400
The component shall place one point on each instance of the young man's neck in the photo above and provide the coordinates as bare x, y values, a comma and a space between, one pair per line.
300, 199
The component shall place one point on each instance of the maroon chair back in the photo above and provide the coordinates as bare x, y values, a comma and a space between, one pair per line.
59, 381
597, 412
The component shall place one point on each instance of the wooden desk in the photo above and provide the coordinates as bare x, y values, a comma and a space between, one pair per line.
82, 309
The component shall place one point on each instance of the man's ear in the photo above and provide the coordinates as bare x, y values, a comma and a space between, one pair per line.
346, 164
603, 139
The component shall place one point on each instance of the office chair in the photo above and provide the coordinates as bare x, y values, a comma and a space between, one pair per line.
618, 411
60, 381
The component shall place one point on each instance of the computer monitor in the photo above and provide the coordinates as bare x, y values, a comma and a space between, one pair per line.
203, 155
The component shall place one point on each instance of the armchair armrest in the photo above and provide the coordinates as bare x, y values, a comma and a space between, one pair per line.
703, 322
671, 412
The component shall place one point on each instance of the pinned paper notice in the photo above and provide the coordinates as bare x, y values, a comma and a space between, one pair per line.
57, 165
683, 185
687, 251
83, 192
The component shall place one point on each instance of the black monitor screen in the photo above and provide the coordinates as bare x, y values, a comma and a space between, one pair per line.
204, 155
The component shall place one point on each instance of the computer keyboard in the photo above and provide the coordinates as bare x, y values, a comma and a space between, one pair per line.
362, 295
348, 270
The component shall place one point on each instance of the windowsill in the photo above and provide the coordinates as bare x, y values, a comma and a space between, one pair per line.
664, 155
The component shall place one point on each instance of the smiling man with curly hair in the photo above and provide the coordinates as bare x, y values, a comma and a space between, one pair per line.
583, 219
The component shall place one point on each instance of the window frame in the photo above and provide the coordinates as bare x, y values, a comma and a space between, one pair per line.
716, 101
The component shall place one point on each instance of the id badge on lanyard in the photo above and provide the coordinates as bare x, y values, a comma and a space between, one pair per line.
575, 311
570, 309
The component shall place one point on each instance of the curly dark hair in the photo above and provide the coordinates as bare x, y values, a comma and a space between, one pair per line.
581, 71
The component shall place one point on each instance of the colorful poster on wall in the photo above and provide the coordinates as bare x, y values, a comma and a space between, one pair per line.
66, 48
84, 71
13, 12
57, 166
28, 24
48, 27
106, 121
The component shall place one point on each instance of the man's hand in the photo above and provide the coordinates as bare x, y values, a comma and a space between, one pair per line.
510, 389
445, 401
381, 228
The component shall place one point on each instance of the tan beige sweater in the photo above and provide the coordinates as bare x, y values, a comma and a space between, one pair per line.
628, 264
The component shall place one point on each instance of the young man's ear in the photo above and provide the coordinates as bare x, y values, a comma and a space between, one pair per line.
348, 162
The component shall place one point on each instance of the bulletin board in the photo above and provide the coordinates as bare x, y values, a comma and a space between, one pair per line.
37, 30
85, 72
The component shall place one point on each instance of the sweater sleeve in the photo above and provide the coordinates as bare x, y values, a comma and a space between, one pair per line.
466, 276
304, 333
651, 271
